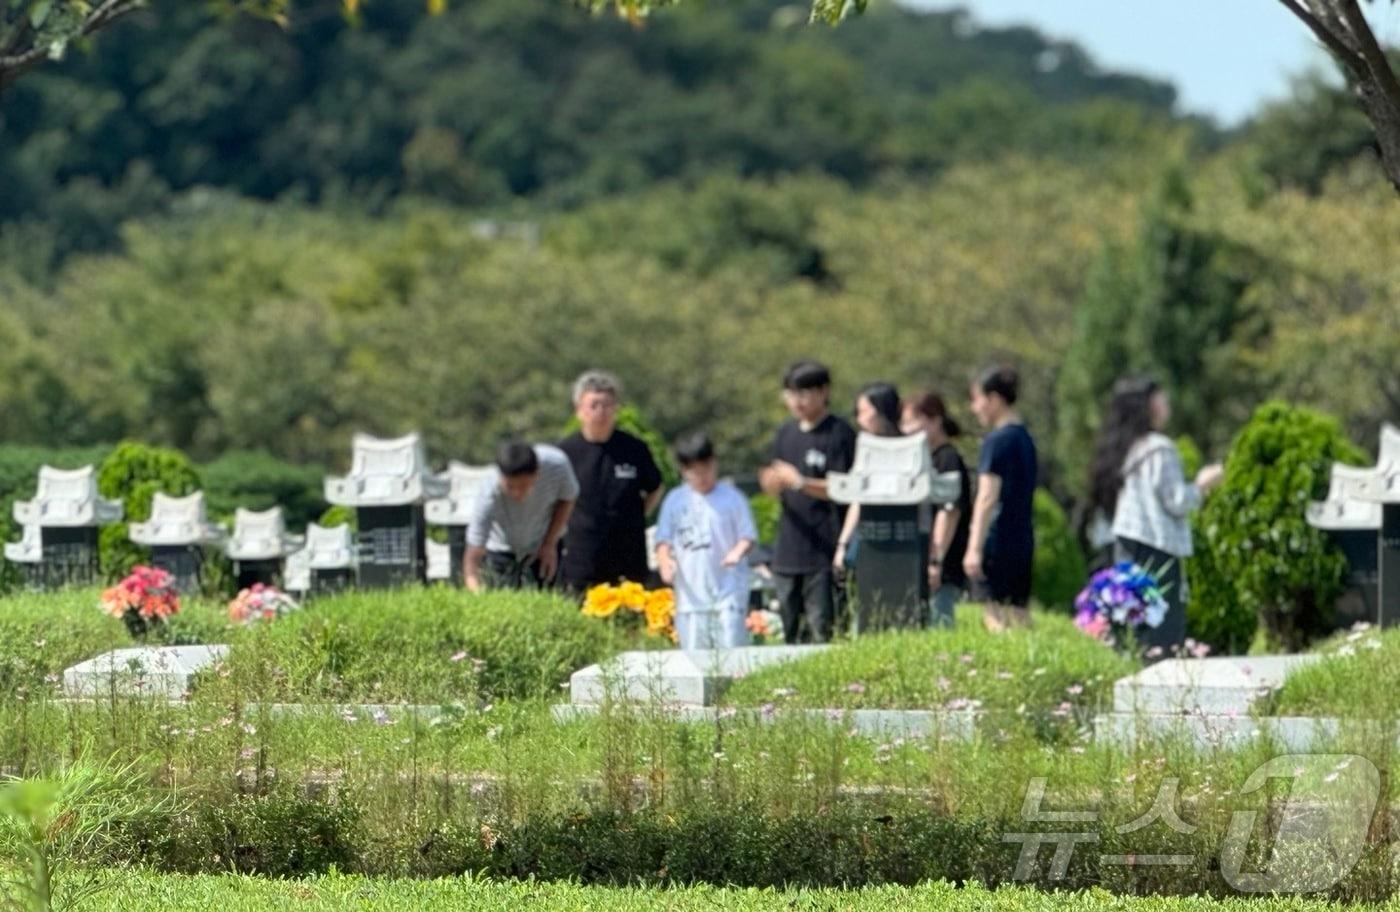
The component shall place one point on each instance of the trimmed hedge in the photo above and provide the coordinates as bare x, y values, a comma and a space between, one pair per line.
142, 892
846, 844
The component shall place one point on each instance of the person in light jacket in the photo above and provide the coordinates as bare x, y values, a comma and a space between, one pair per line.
1137, 478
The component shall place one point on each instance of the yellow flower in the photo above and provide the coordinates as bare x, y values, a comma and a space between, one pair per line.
601, 601
660, 609
633, 595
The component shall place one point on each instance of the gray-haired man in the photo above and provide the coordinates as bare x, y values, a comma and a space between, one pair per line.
619, 484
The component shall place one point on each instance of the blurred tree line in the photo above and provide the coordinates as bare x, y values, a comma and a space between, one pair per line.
499, 101
225, 235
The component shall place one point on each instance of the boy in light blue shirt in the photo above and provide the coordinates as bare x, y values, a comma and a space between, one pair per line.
703, 538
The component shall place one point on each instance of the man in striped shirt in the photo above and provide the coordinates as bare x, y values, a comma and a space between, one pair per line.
519, 518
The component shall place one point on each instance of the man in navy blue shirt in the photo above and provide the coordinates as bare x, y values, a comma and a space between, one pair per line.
1001, 546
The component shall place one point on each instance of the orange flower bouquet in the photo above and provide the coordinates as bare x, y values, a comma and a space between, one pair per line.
656, 607
143, 600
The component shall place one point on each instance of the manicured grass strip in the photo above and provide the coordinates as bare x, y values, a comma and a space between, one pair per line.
1050, 667
1358, 678
149, 893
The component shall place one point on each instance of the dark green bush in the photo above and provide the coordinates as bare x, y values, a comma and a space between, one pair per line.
1256, 555
1060, 570
273, 835
134, 473
257, 481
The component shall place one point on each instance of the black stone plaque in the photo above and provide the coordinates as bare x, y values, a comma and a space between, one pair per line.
1389, 560
249, 572
891, 567
391, 544
1361, 601
329, 582
184, 562
457, 549
69, 557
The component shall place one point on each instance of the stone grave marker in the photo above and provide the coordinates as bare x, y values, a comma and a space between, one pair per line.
163, 671
259, 545
387, 486
177, 532
453, 512
68, 511
894, 483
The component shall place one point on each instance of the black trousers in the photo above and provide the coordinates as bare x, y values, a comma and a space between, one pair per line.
1170, 572
808, 597
506, 571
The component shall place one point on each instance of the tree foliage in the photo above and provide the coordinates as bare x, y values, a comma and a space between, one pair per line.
1170, 303
1263, 560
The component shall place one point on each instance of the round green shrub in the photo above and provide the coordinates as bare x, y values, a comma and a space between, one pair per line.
133, 473
1256, 555
1059, 571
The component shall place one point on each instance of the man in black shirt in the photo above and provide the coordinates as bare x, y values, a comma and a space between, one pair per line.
619, 484
807, 447
1001, 542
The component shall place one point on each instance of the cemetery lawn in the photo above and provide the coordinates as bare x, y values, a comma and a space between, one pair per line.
1051, 668
152, 893
1357, 678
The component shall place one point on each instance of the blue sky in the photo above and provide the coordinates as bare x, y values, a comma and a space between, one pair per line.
1195, 44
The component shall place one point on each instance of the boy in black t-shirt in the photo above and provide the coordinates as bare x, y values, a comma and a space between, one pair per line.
807, 447
1001, 542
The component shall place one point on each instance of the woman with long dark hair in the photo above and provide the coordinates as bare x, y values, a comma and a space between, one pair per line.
927, 414
1137, 478
877, 412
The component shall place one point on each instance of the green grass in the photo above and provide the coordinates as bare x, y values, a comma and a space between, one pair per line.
149, 893
427, 645
1051, 667
1358, 677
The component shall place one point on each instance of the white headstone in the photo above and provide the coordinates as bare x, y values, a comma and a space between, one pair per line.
1382, 485
464, 484
261, 535
672, 675
892, 471
68, 499
176, 521
1214, 686
329, 547
164, 671
29, 549
386, 473
439, 560
1344, 509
